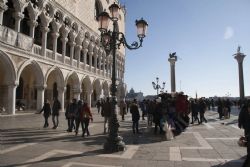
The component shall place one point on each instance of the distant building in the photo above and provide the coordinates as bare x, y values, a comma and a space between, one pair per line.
133, 95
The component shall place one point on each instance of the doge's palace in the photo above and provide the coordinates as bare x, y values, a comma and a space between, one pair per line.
51, 49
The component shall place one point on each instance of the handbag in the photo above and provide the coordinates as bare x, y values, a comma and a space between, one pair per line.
242, 142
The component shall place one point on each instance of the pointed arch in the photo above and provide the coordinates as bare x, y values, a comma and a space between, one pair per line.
59, 74
8, 63
37, 70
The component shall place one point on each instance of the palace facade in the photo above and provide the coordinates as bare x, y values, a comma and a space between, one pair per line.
51, 49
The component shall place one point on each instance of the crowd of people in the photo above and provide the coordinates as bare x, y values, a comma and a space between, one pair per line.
169, 114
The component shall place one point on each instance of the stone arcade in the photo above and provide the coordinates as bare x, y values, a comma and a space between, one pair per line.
50, 49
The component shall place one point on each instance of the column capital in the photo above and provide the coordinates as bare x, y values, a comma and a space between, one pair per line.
33, 23
239, 57
79, 47
62, 89
64, 39
3, 7
91, 53
41, 87
72, 44
19, 15
55, 35
44, 29
172, 61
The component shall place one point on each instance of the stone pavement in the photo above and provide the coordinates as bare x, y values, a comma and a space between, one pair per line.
23, 143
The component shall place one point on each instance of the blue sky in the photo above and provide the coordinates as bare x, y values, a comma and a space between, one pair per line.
204, 33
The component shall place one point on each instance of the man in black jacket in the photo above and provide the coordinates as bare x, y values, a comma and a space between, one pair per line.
135, 116
244, 122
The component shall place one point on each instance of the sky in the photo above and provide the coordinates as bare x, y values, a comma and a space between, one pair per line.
204, 33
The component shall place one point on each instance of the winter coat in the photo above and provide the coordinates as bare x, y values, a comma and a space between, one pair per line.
157, 114
56, 107
135, 112
85, 113
244, 119
46, 110
106, 109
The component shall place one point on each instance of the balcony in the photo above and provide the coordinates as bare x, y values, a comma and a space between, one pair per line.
11, 37
37, 49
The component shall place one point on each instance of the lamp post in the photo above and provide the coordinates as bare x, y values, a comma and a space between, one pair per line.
157, 86
111, 41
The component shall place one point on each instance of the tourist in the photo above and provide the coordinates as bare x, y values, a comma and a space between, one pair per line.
86, 116
55, 113
46, 112
106, 113
134, 110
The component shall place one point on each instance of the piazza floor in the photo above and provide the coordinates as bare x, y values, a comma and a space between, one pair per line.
23, 143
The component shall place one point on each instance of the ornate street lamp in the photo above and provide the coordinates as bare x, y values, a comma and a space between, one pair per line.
157, 86
111, 41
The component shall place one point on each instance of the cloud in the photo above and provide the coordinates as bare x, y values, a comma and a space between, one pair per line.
229, 33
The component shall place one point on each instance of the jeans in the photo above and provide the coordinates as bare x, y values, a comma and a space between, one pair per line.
55, 120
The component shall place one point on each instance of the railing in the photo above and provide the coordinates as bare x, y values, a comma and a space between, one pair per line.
67, 60
11, 37
59, 57
49, 53
37, 49
74, 63
81, 66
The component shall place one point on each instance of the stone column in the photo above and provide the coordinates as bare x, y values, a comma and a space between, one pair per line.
32, 25
89, 93
64, 41
85, 51
40, 97
172, 73
61, 92
78, 54
95, 62
18, 17
45, 31
104, 62
3, 8
72, 47
90, 61
55, 36
11, 99
240, 57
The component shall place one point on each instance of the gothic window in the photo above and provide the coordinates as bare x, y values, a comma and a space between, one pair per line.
59, 44
50, 38
98, 59
98, 8
24, 25
8, 16
93, 60
38, 33
88, 58
81, 56
68, 48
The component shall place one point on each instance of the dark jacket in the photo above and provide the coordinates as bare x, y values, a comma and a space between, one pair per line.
56, 107
244, 119
106, 109
135, 112
157, 115
46, 110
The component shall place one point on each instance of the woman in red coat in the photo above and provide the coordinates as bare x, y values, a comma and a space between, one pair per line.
86, 115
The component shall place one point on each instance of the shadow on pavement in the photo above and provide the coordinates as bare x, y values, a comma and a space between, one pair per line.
233, 163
